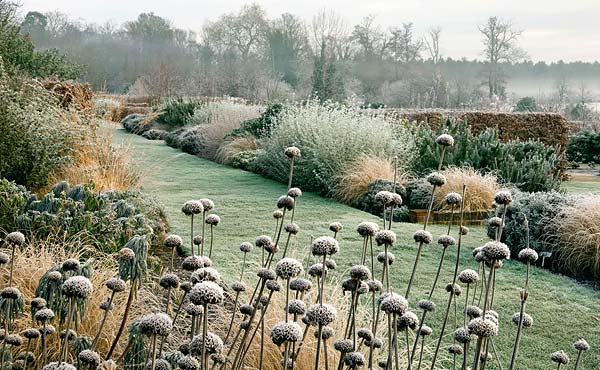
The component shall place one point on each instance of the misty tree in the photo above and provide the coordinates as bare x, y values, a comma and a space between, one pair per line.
405, 47
372, 40
432, 42
288, 44
500, 46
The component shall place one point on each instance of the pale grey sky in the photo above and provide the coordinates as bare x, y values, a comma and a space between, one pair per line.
553, 29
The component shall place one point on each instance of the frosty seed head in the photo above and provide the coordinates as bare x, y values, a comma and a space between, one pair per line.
297, 307
172, 241
494, 250
192, 207
77, 287
169, 281
292, 228
445, 140
483, 327
367, 228
300, 285
212, 344
385, 198
581, 345
263, 241
15, 238
212, 220
473, 311
527, 319
436, 179
468, 276
14, 340
89, 357
381, 257
354, 360
423, 236
453, 289
246, 247
336, 227
126, 254
31, 333
365, 333
292, 152
322, 315
116, 285
528, 255
455, 349
324, 245
38, 303
462, 335
560, 357
44, 315
266, 274
385, 237
71, 264
426, 305
285, 332
446, 241
4, 258
408, 320
206, 292
285, 202
273, 285
207, 204
106, 306
375, 285
59, 366
425, 331
360, 272
495, 222
10, 293
343, 346
503, 197
394, 304
188, 363
453, 199
238, 286
294, 192
316, 270
156, 324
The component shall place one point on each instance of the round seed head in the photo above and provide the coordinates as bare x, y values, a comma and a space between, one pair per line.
296, 306
495, 222
423, 236
483, 327
455, 349
497, 263
285, 332
292, 228
436, 179
238, 286
464, 230
473, 311
55, 276
425, 331
385, 237
169, 281
213, 344
381, 257
343, 345
273, 285
186, 286
17, 364
326, 332
263, 241
71, 264
77, 287
503, 197
330, 264
205, 274
445, 140
316, 270
360, 272
31, 333
453, 198
198, 240
354, 359
468, 276
10, 293
385, 198
300, 285
246, 247
194, 310
207, 204
408, 320
44, 314
367, 229
365, 334
173, 241
324, 245
323, 315
47, 330
126, 254
446, 241
480, 257
59, 366
375, 285
188, 363
184, 347
218, 358
581, 345
394, 304
527, 319
496, 251
397, 199
266, 274
206, 292
528, 255
192, 207
116, 285
106, 306
15, 238
277, 214
90, 358
192, 263
212, 220
453, 289
462, 335
14, 340
38, 303
336, 227
159, 364
156, 324
294, 192
4, 258
292, 152
351, 285
285, 202
426, 305
560, 357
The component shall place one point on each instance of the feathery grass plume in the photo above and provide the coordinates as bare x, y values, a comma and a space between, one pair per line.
529, 256
133, 267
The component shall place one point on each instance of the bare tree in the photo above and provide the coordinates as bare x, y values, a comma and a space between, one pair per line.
432, 42
405, 48
500, 46
372, 40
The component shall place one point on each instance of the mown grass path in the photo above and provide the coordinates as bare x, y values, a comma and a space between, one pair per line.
563, 310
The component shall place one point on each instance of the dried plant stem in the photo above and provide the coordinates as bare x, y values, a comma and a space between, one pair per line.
524, 295
97, 337
237, 296
291, 176
439, 342
204, 335
153, 352
465, 355
191, 240
418, 333
421, 352
65, 343
577, 360
477, 353
318, 351
203, 235
211, 242
130, 298
44, 345
437, 274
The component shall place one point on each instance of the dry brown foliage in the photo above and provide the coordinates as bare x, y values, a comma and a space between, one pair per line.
231, 147
481, 188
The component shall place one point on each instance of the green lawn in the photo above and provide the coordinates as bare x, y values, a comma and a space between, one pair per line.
581, 187
563, 309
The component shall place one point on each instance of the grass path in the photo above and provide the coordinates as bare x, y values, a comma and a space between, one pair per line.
563, 309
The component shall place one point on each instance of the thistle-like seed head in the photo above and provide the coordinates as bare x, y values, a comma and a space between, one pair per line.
172, 241
156, 324
324, 245
77, 287
560, 357
192, 207
385, 237
323, 315
436, 179
367, 228
286, 332
423, 236
445, 140
336, 227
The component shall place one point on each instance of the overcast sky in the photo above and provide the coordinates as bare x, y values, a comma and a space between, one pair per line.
553, 29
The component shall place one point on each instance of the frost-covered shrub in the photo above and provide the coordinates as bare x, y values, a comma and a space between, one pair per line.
418, 194
367, 201
154, 134
245, 160
105, 105
329, 136
137, 123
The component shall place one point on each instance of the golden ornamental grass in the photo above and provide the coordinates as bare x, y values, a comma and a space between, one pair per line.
229, 148
482, 188
356, 175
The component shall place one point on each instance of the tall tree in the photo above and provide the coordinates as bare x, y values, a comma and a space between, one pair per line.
372, 40
500, 46
432, 41
405, 47
288, 45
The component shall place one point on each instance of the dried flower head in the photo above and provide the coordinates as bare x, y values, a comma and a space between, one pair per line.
15, 238
277, 214
89, 357
116, 285
381, 257
192, 263
188, 363
126, 254
464, 230
367, 228
446, 241
483, 327
385, 198
385, 237
453, 289
426, 305
527, 319
297, 307
71, 264
246, 247
273, 285
294, 192
364, 333
503, 197
70, 335
453, 199
159, 324
14, 340
266, 274
169, 281
445, 140
455, 349
360, 272
285, 332
47, 330
77, 287
238, 286
205, 274
285, 202
394, 304
300, 285
408, 320
316, 270
192, 207
172, 241
292, 228
198, 240
31, 333
326, 332
560, 357
495, 250
59, 366
38, 303
425, 331
318, 314
343, 345
436, 179
354, 360
495, 222
4, 258
263, 241
212, 220
194, 310
212, 344
528, 255
206, 292
330, 264
423, 236
159, 364
462, 335
468, 276
10, 293
473, 311
288, 268
581, 345
106, 306
355, 286
44, 315
336, 227
292, 152
324, 245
